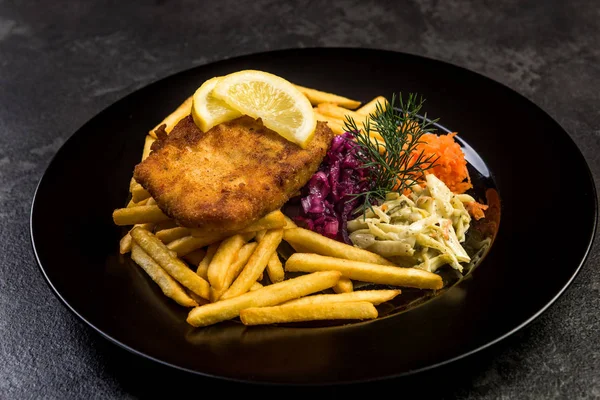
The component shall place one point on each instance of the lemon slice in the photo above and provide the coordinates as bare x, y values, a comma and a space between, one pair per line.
207, 110
277, 102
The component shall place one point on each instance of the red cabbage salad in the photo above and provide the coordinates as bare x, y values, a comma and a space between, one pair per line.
328, 200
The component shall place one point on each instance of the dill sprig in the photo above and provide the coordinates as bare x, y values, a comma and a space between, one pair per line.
387, 141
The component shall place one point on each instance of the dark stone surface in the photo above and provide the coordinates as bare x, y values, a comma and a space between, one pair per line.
62, 62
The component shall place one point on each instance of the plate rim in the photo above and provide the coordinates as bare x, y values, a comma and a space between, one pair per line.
98, 115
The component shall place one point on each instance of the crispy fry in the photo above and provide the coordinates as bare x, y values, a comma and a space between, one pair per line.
308, 312
312, 242
256, 264
272, 220
132, 183
235, 268
138, 193
134, 204
138, 215
339, 115
222, 260
372, 296
255, 286
269, 295
203, 266
168, 235
170, 287
317, 97
275, 268
336, 125
197, 299
365, 272
174, 266
344, 285
183, 110
260, 234
371, 106
125, 243
337, 112
289, 224
187, 244
195, 257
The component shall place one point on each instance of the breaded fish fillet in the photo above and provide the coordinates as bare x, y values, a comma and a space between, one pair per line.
230, 176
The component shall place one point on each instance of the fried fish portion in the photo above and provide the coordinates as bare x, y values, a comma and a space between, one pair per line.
230, 176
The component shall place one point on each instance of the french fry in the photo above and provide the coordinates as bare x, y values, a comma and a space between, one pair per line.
275, 268
317, 97
308, 312
344, 285
132, 183
375, 297
197, 299
256, 264
195, 257
138, 215
174, 266
145, 153
371, 106
269, 295
234, 270
336, 125
126, 241
365, 272
147, 146
182, 111
339, 113
255, 286
138, 193
187, 244
289, 224
222, 260
260, 234
134, 204
170, 287
272, 220
125, 244
168, 235
203, 265
312, 242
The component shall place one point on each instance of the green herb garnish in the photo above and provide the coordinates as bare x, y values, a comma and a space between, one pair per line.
391, 160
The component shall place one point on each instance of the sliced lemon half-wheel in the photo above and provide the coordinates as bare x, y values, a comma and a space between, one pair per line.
276, 101
209, 111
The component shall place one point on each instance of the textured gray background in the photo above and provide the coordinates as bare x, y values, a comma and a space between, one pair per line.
62, 62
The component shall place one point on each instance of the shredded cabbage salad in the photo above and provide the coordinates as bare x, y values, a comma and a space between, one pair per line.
424, 229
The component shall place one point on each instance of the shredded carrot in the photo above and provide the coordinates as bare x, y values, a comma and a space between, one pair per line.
451, 166
476, 209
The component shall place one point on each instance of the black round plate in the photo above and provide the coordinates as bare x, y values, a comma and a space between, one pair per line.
538, 250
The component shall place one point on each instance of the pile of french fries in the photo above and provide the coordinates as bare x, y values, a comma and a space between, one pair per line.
242, 275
